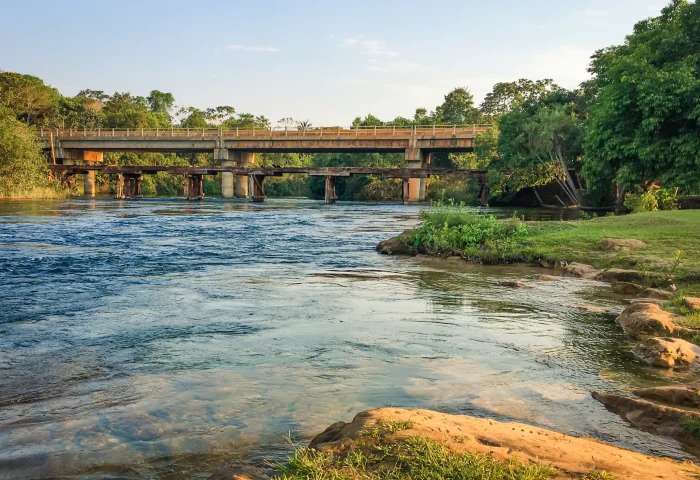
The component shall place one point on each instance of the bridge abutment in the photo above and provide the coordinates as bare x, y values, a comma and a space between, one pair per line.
244, 160
89, 178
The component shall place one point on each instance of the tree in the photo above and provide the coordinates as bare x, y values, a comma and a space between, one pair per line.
458, 108
508, 96
28, 97
22, 165
644, 118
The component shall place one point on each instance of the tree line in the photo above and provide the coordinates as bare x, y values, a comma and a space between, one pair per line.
634, 126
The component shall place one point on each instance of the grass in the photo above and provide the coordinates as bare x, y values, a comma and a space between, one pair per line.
598, 475
50, 193
691, 425
689, 318
416, 458
454, 230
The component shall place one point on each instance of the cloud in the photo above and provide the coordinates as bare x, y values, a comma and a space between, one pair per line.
253, 48
369, 47
566, 64
403, 66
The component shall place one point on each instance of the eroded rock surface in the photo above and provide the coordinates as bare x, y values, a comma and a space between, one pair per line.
627, 288
239, 471
641, 320
546, 278
621, 275
513, 284
687, 396
692, 303
651, 417
657, 293
668, 353
396, 245
581, 270
574, 456
622, 244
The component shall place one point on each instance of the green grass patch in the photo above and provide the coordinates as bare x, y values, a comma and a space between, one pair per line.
691, 425
672, 238
50, 193
416, 458
598, 475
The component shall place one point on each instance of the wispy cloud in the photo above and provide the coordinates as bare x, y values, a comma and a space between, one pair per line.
253, 48
369, 47
403, 66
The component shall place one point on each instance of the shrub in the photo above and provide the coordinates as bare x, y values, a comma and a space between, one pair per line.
652, 200
456, 230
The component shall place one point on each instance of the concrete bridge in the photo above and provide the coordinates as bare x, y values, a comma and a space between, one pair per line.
239, 146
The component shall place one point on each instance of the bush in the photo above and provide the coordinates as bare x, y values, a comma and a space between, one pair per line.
652, 200
456, 230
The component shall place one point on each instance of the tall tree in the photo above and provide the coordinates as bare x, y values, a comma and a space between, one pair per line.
644, 119
458, 108
28, 97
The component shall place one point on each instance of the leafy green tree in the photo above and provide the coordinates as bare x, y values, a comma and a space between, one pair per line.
508, 96
22, 165
28, 97
644, 118
458, 108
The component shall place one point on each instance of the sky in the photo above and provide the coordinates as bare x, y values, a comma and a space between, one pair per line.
323, 61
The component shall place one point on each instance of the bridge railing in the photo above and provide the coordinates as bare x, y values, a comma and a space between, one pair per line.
420, 131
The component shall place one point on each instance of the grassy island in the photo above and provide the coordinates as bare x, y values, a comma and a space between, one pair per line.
670, 248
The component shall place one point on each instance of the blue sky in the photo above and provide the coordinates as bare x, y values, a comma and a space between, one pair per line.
326, 61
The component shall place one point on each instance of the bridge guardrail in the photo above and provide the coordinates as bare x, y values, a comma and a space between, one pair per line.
431, 131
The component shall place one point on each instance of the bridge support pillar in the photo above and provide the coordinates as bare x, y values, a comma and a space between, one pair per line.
330, 196
194, 187
483, 198
404, 190
258, 187
128, 186
89, 184
415, 159
243, 160
222, 155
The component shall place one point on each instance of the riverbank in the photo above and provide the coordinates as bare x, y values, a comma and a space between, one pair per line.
667, 247
395, 443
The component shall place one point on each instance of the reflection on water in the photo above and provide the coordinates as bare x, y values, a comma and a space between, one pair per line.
159, 337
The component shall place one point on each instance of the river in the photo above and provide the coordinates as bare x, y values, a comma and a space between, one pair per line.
161, 338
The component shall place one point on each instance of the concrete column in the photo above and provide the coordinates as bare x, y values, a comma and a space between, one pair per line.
424, 181
415, 159
330, 196
258, 188
89, 183
243, 160
221, 155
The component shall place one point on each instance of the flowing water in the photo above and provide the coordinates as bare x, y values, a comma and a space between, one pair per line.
161, 338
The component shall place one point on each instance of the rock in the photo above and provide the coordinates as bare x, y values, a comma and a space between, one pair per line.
581, 270
622, 244
620, 275
573, 456
657, 293
591, 309
678, 395
647, 319
626, 288
692, 303
649, 416
544, 263
513, 284
667, 352
239, 471
546, 278
396, 245
655, 301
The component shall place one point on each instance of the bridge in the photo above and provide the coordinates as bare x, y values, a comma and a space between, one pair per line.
239, 146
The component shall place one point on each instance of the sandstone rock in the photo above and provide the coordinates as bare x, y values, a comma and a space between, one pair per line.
573, 456
667, 352
620, 275
627, 288
647, 319
546, 278
655, 301
657, 293
581, 270
622, 244
649, 416
513, 284
679, 395
396, 245
239, 471
591, 309
692, 303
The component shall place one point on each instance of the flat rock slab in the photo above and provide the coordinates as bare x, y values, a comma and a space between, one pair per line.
546, 278
621, 275
648, 416
658, 294
513, 284
687, 396
668, 352
621, 244
627, 288
396, 245
574, 456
